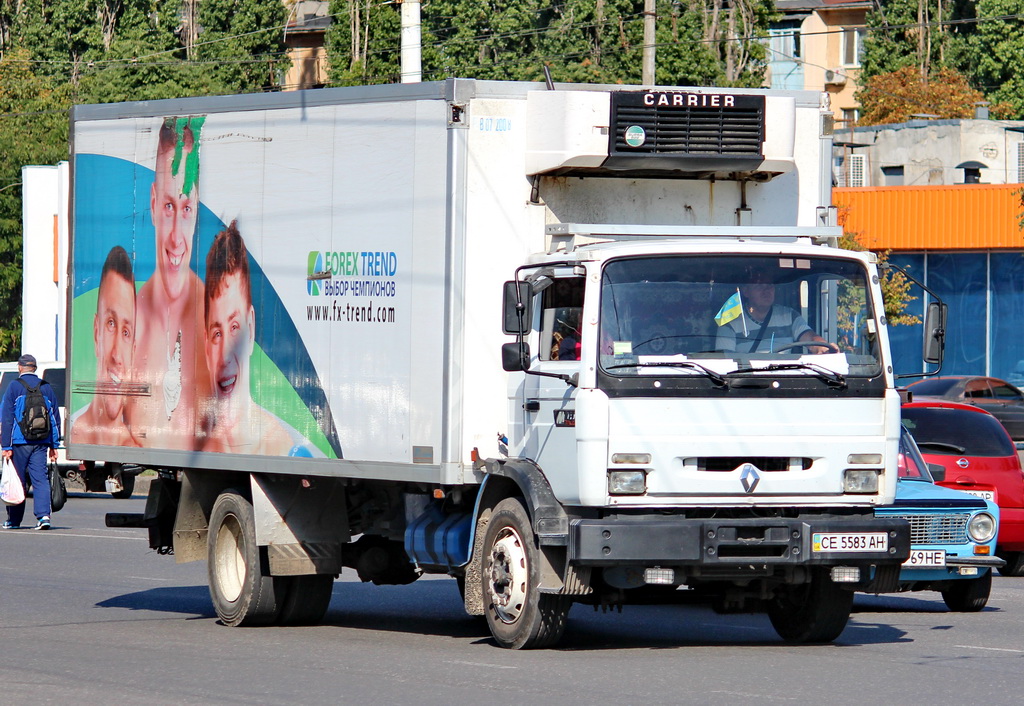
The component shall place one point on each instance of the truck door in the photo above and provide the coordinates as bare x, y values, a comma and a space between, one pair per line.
549, 403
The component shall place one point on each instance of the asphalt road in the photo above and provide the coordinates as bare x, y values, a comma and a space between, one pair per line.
90, 615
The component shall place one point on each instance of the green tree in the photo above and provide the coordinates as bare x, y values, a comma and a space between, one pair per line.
97, 51
362, 43
998, 51
488, 39
925, 34
713, 42
699, 42
33, 130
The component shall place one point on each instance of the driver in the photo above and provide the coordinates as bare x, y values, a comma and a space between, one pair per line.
751, 321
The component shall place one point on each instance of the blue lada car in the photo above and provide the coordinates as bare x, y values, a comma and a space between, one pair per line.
952, 537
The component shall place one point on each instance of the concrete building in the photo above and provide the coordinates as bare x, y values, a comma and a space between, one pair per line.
817, 45
931, 152
945, 198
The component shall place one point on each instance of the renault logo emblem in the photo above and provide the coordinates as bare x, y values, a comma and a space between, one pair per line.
749, 477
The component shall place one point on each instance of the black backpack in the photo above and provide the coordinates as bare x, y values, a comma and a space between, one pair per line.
35, 417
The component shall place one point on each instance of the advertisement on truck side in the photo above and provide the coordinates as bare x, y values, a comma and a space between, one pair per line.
223, 262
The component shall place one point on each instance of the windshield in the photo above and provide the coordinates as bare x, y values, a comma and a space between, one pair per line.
734, 313
935, 386
957, 432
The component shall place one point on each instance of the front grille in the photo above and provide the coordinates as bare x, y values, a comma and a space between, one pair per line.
937, 529
734, 130
726, 464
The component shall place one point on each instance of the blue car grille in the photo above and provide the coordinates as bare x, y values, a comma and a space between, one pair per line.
937, 529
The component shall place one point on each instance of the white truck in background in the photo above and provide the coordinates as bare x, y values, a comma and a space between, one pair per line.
45, 206
490, 319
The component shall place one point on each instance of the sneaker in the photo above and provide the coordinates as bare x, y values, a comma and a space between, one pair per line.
44, 523
10, 525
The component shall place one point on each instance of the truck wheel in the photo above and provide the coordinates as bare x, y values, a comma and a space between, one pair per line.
968, 595
813, 612
241, 594
1014, 564
305, 598
518, 614
127, 487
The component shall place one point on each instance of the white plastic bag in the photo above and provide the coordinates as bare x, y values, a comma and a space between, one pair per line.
12, 492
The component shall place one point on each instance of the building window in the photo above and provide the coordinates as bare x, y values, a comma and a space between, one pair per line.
972, 171
784, 40
853, 45
893, 176
850, 116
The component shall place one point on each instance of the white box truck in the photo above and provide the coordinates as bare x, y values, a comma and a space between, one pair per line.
567, 344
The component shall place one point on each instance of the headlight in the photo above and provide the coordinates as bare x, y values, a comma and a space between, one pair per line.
856, 480
982, 527
627, 482
632, 459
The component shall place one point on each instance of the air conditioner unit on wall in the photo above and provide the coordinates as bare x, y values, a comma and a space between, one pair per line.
835, 77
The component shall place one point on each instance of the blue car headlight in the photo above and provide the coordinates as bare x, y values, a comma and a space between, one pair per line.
982, 527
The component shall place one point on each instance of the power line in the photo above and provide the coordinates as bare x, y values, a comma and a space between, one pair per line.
103, 64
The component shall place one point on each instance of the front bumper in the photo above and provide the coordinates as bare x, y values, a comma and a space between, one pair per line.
649, 540
955, 562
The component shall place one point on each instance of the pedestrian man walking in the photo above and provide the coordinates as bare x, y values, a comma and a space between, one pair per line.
21, 440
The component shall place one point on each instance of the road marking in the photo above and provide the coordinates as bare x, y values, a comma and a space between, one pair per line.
481, 664
60, 533
751, 695
148, 578
993, 649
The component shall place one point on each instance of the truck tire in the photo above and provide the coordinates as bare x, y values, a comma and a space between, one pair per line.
518, 614
813, 612
306, 598
127, 486
241, 594
1014, 564
968, 595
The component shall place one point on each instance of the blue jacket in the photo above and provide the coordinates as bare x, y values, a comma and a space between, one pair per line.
13, 406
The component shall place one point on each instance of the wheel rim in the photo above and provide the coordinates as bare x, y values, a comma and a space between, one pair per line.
230, 569
508, 575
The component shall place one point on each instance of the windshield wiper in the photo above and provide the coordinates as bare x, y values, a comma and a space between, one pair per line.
718, 380
829, 377
942, 445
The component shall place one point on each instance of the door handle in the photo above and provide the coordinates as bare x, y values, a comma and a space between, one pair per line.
532, 405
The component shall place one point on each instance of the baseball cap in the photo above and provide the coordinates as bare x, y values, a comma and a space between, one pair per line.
27, 360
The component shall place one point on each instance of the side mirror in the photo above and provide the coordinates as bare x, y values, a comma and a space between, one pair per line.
934, 343
515, 357
517, 311
938, 471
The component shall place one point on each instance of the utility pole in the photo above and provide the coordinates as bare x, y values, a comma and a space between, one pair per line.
190, 27
647, 71
412, 69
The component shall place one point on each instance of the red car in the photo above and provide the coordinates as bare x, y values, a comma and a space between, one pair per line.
978, 457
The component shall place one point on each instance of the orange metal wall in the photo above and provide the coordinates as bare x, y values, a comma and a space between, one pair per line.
956, 217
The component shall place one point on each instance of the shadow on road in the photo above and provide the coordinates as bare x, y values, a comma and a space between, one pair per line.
187, 600
433, 607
